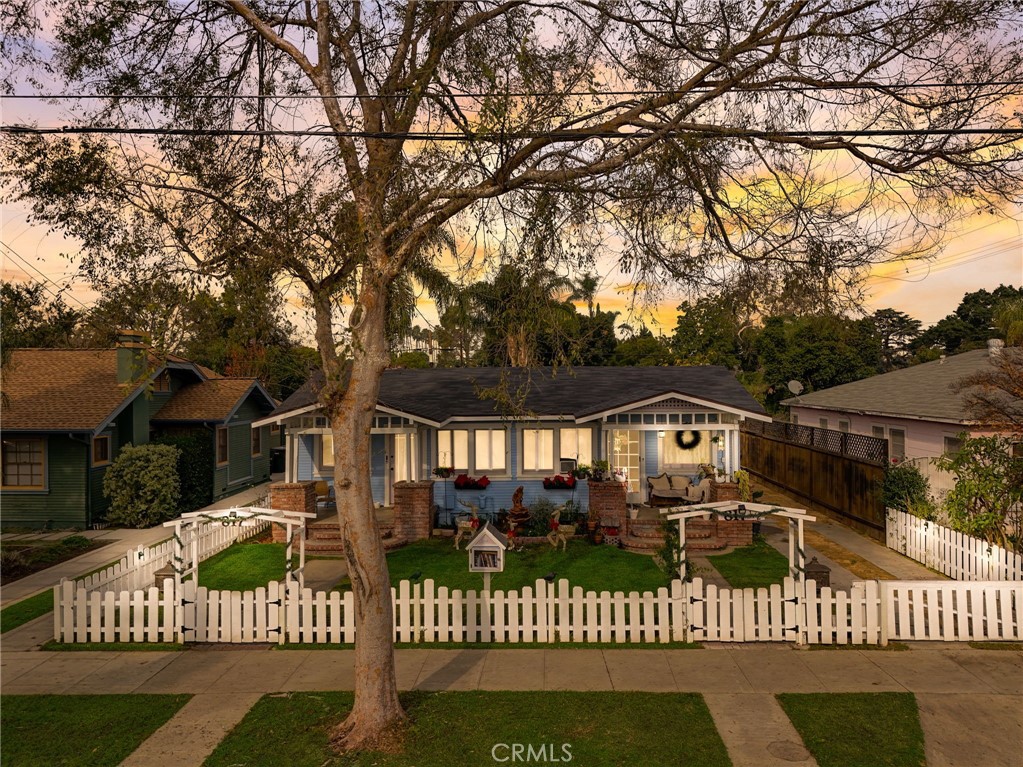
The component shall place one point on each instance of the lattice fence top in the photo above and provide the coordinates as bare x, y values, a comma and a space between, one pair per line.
859, 446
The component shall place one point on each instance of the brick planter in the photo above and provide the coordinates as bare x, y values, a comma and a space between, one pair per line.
413, 510
607, 503
291, 496
724, 491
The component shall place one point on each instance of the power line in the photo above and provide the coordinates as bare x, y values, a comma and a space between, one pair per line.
558, 135
737, 87
46, 280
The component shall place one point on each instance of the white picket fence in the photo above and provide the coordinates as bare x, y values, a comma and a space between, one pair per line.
137, 568
954, 554
871, 613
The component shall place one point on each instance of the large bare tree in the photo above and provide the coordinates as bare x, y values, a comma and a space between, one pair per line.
699, 139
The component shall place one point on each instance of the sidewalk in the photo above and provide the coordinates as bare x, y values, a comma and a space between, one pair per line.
971, 701
120, 541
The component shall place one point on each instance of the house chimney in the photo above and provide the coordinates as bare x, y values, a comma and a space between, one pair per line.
994, 347
131, 356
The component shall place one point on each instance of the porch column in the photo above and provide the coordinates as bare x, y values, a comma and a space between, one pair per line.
291, 496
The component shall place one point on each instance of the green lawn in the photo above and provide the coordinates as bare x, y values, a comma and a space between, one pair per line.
80, 730
597, 568
22, 612
754, 566
863, 729
599, 728
248, 566
243, 566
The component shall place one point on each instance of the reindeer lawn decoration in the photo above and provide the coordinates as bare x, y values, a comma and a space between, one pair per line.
467, 525
559, 534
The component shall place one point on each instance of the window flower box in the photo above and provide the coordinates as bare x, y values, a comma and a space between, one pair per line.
465, 482
559, 482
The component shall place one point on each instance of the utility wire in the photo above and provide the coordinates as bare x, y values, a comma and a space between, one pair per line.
741, 87
559, 135
46, 280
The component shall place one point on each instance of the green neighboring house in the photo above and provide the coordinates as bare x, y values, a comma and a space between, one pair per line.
67, 413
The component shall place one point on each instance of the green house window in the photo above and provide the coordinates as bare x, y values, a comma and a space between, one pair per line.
222, 445
257, 442
100, 451
24, 464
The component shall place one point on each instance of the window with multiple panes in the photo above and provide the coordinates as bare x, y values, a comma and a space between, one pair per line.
537, 449
222, 452
162, 383
489, 450
100, 450
896, 443
577, 444
257, 441
877, 431
453, 448
824, 423
843, 426
23, 464
952, 445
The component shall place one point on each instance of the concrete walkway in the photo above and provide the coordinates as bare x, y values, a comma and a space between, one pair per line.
971, 701
121, 540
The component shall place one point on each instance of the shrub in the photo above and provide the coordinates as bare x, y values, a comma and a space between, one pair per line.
539, 522
143, 486
905, 488
75, 542
12, 563
195, 467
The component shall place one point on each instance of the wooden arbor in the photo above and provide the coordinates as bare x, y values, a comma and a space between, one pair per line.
186, 542
746, 511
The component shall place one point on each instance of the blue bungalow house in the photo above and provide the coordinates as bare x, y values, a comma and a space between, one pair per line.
642, 420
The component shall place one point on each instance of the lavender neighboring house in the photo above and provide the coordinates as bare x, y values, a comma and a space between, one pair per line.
916, 409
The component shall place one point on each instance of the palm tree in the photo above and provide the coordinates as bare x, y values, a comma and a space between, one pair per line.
584, 288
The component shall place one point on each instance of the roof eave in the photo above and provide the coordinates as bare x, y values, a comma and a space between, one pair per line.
882, 413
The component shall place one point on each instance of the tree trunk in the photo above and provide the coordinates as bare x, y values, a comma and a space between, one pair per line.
377, 710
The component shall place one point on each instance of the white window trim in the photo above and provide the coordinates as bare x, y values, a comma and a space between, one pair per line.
555, 445
490, 472
469, 450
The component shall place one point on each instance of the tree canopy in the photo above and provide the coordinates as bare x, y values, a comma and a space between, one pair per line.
708, 139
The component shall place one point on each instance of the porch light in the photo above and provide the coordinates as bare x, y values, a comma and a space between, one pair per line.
660, 435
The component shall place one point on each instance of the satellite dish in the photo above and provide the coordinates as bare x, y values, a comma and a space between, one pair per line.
795, 387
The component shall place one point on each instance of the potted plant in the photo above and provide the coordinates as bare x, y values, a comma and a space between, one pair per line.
598, 536
444, 471
600, 470
582, 471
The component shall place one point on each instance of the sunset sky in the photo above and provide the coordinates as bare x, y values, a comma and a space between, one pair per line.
984, 252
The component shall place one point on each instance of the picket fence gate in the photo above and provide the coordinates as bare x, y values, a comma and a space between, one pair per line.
873, 612
957, 555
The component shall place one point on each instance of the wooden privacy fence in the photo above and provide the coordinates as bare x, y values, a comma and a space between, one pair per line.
137, 568
838, 471
954, 554
873, 612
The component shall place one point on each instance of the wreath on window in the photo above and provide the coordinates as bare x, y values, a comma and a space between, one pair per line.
687, 444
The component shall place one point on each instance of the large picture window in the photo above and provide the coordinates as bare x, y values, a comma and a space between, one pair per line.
489, 450
673, 455
453, 448
24, 464
537, 449
577, 444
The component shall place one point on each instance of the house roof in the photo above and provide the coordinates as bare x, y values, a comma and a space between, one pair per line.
921, 391
78, 390
214, 400
74, 389
441, 394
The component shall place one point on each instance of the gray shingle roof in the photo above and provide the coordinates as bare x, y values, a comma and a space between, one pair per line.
921, 391
438, 394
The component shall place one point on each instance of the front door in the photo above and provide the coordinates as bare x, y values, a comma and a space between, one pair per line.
625, 452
